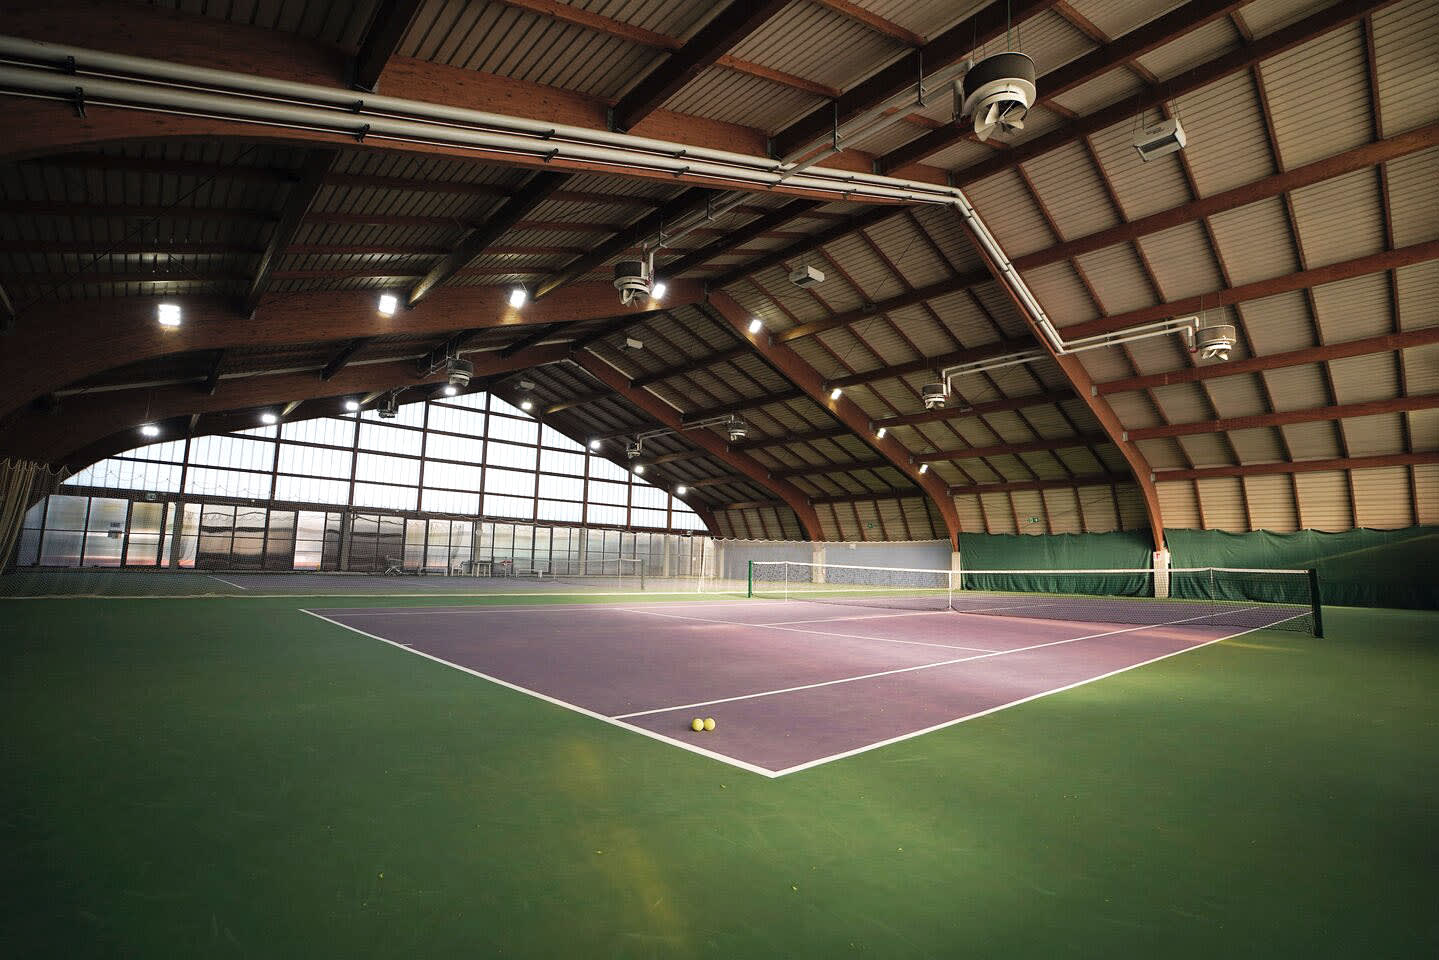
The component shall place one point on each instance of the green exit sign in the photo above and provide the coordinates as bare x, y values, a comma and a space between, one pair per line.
1033, 519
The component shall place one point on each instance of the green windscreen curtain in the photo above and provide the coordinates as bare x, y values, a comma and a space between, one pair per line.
1363, 568
1131, 550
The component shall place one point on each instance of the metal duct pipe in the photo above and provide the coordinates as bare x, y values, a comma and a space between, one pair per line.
37, 69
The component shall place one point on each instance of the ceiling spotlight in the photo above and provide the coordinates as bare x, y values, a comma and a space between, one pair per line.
168, 314
450, 390
924, 468
352, 405
879, 434
518, 296
268, 417
595, 443
639, 468
658, 293
150, 430
756, 325
934, 395
681, 490
527, 404
459, 371
834, 394
389, 303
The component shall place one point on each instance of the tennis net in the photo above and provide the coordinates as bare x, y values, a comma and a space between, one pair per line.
1249, 598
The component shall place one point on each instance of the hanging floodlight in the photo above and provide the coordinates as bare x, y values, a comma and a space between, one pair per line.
518, 296
389, 303
150, 430
934, 395
595, 443
737, 427
996, 93
459, 372
168, 314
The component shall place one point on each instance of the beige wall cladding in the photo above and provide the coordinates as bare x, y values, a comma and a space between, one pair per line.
1228, 143
1340, 219
1418, 295
923, 522
1411, 197
1158, 354
1361, 379
1406, 36
1103, 90
1279, 323
1271, 503
828, 522
1117, 277
1354, 309
1182, 402
1265, 16
1319, 96
1424, 430
998, 512
1131, 508
1238, 396
1297, 388
916, 259
1192, 49
1060, 293
1135, 410
1207, 450
1142, 188
1081, 461
1029, 508
1007, 207
971, 518
1259, 445
1382, 499
1046, 466
1180, 261
1371, 436
1223, 502
1324, 501
1063, 507
1178, 505
1109, 363
1069, 187
1312, 441
1421, 369
721, 94
1426, 491
1255, 241
1096, 506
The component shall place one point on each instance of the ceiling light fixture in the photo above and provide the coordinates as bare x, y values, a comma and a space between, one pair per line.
518, 296
658, 293
352, 405
681, 490
834, 394
268, 417
389, 303
756, 325
527, 404
451, 390
150, 430
595, 443
639, 468
168, 314
879, 434
924, 468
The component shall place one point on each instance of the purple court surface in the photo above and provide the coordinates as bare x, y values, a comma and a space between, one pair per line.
791, 684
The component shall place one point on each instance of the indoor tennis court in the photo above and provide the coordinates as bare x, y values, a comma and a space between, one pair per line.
651, 479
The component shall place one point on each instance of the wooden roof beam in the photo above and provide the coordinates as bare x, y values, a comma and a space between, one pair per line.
1286, 38
845, 410
706, 440
1300, 466
1427, 401
1173, 25
298, 201
949, 47
381, 41
726, 29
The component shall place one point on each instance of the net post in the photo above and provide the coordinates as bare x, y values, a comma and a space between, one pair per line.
1315, 606
749, 582
1161, 574
956, 568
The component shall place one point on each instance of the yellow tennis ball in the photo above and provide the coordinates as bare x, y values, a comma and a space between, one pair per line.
709, 723
697, 724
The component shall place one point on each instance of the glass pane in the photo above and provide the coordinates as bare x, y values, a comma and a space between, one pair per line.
520, 507
510, 455
217, 531
67, 513
381, 495
463, 449
105, 534
456, 420
327, 430
310, 490
449, 501
562, 488
561, 510
571, 464
374, 468
604, 470
315, 461
388, 439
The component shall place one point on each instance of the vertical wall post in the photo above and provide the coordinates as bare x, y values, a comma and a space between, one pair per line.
1316, 605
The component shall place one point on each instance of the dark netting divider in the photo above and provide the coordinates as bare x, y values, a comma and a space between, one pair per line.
1245, 599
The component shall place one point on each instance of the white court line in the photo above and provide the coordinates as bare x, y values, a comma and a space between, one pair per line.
872, 616
511, 608
612, 721
226, 582
922, 666
1014, 703
819, 633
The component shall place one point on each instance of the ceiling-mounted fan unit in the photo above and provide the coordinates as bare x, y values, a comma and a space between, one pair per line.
996, 93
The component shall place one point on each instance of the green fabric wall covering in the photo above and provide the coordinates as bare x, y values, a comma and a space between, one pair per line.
1365, 568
